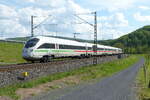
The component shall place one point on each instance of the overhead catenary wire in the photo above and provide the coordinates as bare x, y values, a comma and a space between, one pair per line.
70, 23
83, 20
34, 27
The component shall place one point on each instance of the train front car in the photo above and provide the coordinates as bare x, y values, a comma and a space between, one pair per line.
28, 50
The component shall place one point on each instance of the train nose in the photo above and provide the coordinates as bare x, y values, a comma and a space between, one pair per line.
27, 53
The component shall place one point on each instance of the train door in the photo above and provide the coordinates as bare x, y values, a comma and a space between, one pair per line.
86, 47
94, 47
57, 50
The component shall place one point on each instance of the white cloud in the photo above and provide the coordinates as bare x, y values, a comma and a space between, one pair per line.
30, 0
26, 13
113, 21
12, 28
9, 22
111, 34
144, 7
111, 26
122, 22
77, 8
141, 18
111, 5
7, 12
47, 3
17, 20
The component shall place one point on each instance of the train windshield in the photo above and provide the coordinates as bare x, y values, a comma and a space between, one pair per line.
31, 43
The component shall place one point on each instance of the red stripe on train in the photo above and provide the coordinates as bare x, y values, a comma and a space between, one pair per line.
91, 51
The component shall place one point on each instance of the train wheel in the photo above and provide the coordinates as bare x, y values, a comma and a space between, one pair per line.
32, 61
46, 59
82, 56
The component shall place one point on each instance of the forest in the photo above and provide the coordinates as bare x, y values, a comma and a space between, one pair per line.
134, 42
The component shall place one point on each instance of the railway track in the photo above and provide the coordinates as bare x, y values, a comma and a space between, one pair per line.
11, 74
11, 67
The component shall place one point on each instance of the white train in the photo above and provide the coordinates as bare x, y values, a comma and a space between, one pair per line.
42, 48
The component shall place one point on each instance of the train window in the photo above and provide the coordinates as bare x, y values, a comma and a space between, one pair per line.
71, 47
47, 46
82, 48
100, 48
61, 47
31, 43
108, 49
89, 48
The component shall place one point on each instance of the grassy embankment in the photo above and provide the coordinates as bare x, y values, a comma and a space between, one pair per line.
11, 53
86, 73
143, 80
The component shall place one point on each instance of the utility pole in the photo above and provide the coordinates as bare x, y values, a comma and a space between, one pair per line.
75, 35
95, 34
95, 38
95, 29
32, 29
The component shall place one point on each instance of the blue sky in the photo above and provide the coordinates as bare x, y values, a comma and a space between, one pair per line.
115, 17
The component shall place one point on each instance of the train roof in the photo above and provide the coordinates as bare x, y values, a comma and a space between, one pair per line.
70, 42
59, 41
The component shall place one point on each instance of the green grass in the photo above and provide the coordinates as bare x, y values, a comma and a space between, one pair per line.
11, 52
144, 79
86, 73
